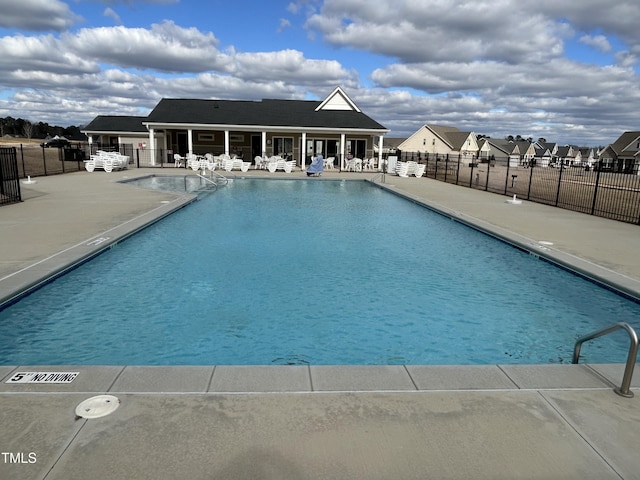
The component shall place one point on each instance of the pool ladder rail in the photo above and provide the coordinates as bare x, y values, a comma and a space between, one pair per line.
213, 181
623, 390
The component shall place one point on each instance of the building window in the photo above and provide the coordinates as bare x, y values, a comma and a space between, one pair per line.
206, 137
357, 148
283, 146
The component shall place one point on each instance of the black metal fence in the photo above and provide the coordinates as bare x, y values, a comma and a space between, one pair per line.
9, 178
35, 160
586, 189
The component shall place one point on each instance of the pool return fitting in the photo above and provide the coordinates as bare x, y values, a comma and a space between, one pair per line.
623, 390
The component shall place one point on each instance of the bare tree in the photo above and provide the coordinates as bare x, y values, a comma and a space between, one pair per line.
27, 129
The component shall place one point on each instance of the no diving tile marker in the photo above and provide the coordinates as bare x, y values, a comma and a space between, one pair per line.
43, 377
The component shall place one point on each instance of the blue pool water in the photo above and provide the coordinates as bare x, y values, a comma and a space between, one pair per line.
318, 272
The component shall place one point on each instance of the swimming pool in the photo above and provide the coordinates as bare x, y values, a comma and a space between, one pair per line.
318, 272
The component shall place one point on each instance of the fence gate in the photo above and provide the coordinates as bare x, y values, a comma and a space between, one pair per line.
9, 179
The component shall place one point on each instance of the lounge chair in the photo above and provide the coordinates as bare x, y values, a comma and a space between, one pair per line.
404, 169
278, 163
316, 167
107, 161
229, 164
178, 160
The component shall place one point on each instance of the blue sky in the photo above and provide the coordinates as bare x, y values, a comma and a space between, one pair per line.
564, 70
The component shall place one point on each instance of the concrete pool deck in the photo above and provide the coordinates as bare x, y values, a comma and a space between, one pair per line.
312, 422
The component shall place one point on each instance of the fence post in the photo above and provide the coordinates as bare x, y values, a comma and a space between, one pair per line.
559, 183
506, 177
458, 170
24, 171
532, 164
44, 161
595, 190
446, 167
486, 185
473, 164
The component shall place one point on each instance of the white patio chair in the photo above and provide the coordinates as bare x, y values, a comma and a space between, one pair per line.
208, 162
369, 164
354, 165
192, 161
178, 160
329, 162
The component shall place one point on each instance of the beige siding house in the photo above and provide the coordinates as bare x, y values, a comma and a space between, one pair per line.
442, 140
623, 155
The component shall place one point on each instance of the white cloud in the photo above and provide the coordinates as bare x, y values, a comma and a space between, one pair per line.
40, 54
132, 2
458, 30
599, 42
289, 66
36, 15
284, 24
165, 47
111, 13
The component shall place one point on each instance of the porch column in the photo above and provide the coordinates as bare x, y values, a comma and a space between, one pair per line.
152, 147
226, 142
190, 141
303, 151
343, 144
380, 151
264, 144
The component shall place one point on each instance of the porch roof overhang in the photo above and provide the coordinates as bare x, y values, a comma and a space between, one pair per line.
264, 128
115, 133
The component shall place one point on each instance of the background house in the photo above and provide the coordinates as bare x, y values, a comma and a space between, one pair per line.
515, 152
442, 140
623, 155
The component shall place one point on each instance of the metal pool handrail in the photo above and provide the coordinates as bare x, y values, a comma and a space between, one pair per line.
219, 177
623, 390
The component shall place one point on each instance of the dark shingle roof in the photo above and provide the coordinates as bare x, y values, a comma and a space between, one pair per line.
624, 141
276, 113
116, 123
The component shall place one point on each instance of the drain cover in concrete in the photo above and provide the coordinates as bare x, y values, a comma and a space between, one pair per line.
96, 407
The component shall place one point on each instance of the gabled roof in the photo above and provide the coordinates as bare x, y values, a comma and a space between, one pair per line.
523, 146
626, 141
493, 145
458, 139
265, 113
338, 100
116, 124
565, 151
543, 152
506, 146
392, 142
443, 133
